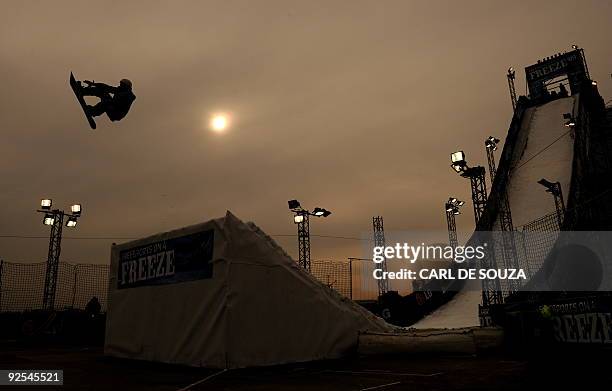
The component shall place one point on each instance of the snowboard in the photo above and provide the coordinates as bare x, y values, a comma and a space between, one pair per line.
76, 87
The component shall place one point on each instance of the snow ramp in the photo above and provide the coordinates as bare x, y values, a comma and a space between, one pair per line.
538, 145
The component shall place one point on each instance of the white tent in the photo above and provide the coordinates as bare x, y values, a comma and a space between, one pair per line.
223, 294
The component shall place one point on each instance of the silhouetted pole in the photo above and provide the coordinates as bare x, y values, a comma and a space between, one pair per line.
55, 219
554, 188
451, 208
490, 147
379, 241
491, 292
503, 210
511, 76
53, 257
452, 229
304, 240
478, 186
301, 217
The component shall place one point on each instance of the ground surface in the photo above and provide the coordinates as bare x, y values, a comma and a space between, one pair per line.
88, 369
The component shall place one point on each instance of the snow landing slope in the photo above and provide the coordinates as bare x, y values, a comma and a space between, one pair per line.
544, 149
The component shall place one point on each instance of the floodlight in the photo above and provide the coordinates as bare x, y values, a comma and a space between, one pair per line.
46, 203
545, 183
456, 212
76, 209
453, 204
570, 123
491, 143
49, 219
318, 211
298, 219
574, 47
72, 222
326, 213
593, 82
457, 157
294, 204
457, 168
511, 73
550, 186
458, 161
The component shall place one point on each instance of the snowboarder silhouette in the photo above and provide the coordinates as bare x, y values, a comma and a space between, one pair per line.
114, 101
117, 105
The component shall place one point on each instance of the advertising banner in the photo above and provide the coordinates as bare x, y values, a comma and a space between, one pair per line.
170, 261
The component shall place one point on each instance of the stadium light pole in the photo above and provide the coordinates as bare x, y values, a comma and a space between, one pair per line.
451, 208
55, 219
554, 188
491, 292
301, 217
503, 209
476, 175
379, 241
511, 75
490, 147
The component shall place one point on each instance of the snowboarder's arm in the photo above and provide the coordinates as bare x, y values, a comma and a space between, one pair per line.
104, 87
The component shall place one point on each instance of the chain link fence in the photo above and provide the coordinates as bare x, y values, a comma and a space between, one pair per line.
535, 248
351, 278
22, 285
335, 274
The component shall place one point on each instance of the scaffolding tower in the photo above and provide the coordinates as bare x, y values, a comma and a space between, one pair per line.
379, 241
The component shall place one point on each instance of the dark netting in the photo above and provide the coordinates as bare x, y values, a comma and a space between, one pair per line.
539, 238
65, 286
92, 280
335, 274
22, 285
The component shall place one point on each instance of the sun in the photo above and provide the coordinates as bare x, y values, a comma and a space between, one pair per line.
219, 123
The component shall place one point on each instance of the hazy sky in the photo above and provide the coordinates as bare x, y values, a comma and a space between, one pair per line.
349, 105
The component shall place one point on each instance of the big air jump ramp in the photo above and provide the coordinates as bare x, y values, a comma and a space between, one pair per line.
541, 148
538, 145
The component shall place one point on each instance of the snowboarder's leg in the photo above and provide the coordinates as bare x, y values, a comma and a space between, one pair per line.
102, 107
96, 110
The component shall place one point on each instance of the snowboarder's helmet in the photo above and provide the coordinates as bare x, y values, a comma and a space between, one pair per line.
126, 82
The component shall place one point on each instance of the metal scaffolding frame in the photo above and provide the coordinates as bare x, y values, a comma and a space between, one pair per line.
452, 228
509, 254
478, 185
304, 240
491, 292
53, 258
511, 75
379, 241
